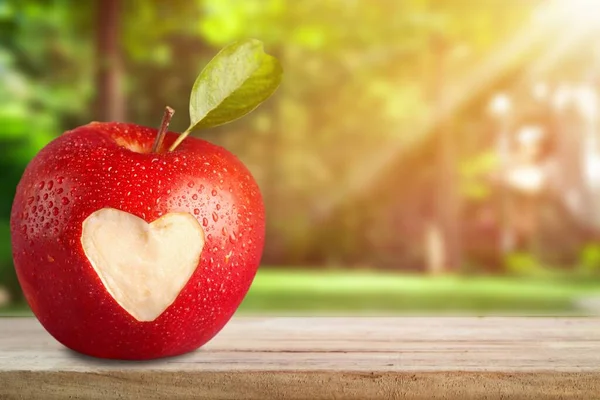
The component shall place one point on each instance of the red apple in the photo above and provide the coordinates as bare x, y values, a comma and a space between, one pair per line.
129, 254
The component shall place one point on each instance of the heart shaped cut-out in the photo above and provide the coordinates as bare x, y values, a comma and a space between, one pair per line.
143, 266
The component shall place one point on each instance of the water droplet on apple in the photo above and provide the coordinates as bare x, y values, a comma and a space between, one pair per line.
50, 204
224, 231
33, 209
65, 201
50, 185
204, 221
45, 196
59, 190
190, 184
41, 185
55, 211
215, 216
30, 200
196, 211
154, 160
194, 196
60, 179
214, 192
232, 238
218, 206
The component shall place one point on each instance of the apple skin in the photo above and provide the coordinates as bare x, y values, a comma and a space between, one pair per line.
92, 167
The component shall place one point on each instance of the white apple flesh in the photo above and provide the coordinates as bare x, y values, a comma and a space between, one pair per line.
143, 266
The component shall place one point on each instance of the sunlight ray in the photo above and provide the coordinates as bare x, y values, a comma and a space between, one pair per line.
545, 22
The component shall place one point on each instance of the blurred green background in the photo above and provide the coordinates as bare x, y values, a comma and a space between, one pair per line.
420, 156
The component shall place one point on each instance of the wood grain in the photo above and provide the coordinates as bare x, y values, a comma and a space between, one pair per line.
323, 358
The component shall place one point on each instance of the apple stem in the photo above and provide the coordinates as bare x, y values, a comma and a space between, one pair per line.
180, 139
162, 131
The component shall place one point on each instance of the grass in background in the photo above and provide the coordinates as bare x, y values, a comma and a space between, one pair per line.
279, 291
301, 291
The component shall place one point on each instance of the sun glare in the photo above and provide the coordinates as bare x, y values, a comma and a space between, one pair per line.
500, 105
583, 14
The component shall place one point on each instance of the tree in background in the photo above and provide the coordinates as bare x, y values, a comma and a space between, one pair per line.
110, 100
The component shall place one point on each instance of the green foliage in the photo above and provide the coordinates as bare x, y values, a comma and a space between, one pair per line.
525, 265
225, 21
589, 259
5, 250
233, 84
42, 83
475, 173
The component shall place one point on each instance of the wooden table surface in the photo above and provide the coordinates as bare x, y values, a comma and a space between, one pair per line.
318, 358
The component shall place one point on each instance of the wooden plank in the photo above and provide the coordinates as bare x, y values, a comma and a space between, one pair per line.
318, 358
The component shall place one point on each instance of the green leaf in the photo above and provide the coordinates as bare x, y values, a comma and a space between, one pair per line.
235, 82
